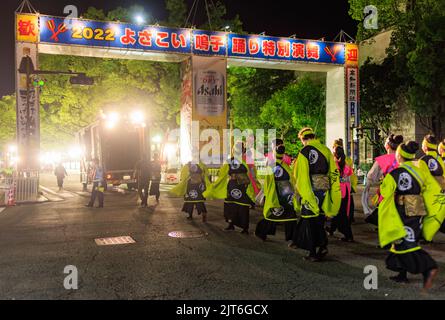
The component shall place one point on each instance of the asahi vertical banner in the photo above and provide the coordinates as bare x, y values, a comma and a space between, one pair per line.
186, 111
210, 105
27, 107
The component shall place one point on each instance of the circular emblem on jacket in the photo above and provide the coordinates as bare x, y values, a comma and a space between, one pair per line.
236, 194
278, 171
313, 157
193, 194
411, 236
405, 181
318, 203
290, 200
433, 165
235, 164
278, 212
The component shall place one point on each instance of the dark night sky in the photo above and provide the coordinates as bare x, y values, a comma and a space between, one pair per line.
306, 19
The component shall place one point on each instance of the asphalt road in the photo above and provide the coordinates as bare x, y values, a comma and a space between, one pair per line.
38, 241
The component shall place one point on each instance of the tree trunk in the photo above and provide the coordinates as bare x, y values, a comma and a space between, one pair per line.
436, 123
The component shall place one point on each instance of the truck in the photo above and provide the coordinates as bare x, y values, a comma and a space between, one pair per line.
118, 141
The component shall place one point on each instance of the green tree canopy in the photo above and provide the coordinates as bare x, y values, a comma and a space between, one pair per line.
249, 89
300, 104
387, 11
7, 120
413, 72
266, 99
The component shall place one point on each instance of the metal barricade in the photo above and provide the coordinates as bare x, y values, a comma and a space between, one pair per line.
5, 186
19, 188
27, 186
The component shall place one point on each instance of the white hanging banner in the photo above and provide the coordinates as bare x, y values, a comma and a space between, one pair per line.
27, 96
210, 105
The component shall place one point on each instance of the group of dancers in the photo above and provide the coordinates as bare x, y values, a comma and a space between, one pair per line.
317, 188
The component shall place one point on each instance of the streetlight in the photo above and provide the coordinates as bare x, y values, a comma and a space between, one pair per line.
139, 19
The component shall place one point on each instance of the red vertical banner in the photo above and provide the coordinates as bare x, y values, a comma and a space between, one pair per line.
352, 96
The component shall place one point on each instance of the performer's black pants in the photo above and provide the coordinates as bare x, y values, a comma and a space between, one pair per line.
143, 192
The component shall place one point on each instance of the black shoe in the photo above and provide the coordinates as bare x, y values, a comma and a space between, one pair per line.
230, 227
246, 232
312, 258
322, 252
88, 206
292, 245
399, 279
344, 239
328, 230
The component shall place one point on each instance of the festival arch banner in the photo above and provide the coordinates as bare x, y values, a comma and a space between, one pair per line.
204, 56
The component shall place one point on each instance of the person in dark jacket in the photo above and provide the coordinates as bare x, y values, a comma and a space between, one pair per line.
155, 177
60, 173
142, 173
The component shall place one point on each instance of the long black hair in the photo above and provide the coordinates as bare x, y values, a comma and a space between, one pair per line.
339, 153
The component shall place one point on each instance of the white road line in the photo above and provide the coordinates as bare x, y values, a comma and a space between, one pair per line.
1, 209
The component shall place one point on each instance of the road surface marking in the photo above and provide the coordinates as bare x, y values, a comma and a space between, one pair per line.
114, 241
187, 234
1, 209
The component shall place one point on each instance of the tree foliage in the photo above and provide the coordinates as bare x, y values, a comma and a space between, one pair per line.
266, 99
7, 120
300, 104
387, 11
379, 90
177, 10
413, 71
418, 47
249, 89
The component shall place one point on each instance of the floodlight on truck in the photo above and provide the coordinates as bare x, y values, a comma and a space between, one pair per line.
111, 119
137, 117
